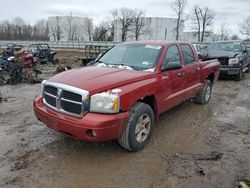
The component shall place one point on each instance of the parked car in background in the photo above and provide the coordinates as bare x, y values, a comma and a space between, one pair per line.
232, 55
197, 49
125, 91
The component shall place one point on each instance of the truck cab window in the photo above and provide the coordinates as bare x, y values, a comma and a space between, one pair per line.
172, 55
188, 54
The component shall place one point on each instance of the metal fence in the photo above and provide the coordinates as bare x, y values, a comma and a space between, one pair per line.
71, 44
62, 44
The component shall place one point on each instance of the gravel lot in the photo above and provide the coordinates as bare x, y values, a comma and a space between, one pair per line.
191, 146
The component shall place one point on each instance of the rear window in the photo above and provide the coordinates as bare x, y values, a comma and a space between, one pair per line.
188, 54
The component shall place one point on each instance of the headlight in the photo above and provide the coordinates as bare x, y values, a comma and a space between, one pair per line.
105, 102
233, 61
42, 85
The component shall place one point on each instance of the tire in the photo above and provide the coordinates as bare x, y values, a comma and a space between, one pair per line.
248, 68
2, 81
204, 95
238, 77
136, 133
55, 61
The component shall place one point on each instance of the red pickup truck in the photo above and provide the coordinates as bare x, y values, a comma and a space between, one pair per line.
123, 93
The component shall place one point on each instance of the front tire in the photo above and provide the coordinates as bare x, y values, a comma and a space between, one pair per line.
137, 132
238, 77
248, 68
204, 95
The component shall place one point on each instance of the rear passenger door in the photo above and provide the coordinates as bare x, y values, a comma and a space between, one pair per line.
192, 70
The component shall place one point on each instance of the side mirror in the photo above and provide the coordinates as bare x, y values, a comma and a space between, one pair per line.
172, 66
245, 51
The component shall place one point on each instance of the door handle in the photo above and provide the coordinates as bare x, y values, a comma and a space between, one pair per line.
181, 74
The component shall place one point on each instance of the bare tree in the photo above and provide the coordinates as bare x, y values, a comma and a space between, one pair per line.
18, 29
41, 30
179, 7
112, 31
245, 27
71, 28
124, 16
101, 32
55, 29
224, 31
197, 21
139, 23
235, 37
88, 27
207, 16
203, 17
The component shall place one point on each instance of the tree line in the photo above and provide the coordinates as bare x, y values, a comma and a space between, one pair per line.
130, 21
18, 29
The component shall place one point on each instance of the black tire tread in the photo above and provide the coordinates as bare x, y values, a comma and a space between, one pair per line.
124, 138
200, 97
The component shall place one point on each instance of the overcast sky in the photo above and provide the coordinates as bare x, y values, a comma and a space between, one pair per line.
230, 11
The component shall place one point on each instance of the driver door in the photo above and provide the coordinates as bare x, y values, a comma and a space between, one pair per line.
173, 83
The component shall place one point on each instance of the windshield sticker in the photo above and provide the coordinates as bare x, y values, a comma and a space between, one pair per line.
153, 47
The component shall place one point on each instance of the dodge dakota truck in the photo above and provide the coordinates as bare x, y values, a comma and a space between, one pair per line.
232, 55
123, 93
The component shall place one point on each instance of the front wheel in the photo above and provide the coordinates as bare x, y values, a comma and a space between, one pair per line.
137, 132
248, 68
238, 77
204, 95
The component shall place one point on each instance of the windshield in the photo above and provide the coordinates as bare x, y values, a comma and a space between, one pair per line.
137, 56
226, 46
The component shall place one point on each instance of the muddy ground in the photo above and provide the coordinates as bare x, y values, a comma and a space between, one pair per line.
191, 146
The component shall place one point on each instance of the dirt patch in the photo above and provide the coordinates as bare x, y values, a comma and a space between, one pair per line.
191, 146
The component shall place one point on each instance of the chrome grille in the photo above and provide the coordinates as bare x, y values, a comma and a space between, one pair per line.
65, 99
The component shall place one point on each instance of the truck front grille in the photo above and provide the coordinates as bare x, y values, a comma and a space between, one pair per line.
65, 99
223, 61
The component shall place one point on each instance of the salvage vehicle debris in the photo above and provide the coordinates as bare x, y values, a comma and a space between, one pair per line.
43, 53
232, 55
21, 67
151, 77
91, 52
60, 68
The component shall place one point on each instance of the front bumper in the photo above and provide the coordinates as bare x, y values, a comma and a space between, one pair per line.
229, 70
106, 126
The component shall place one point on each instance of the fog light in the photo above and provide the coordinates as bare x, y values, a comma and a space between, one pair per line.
93, 133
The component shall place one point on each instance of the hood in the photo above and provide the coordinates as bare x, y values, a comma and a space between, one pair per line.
97, 79
220, 53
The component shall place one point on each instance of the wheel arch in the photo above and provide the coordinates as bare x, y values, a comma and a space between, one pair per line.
151, 101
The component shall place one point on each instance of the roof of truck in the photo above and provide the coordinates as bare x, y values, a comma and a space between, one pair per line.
156, 42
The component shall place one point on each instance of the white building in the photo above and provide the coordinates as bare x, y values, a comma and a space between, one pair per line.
70, 27
156, 28
192, 36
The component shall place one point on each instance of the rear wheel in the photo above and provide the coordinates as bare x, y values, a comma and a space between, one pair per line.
137, 132
204, 95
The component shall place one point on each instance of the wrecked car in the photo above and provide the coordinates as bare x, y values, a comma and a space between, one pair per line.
232, 55
122, 95
43, 53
